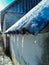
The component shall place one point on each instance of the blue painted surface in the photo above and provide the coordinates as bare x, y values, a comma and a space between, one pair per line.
39, 19
23, 6
19, 7
5, 3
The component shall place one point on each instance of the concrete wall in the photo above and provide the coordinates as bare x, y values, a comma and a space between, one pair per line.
30, 49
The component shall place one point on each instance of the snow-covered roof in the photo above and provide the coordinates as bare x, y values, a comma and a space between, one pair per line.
35, 20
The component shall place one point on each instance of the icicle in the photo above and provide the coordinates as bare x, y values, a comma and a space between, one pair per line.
17, 41
22, 43
22, 46
18, 48
35, 39
14, 38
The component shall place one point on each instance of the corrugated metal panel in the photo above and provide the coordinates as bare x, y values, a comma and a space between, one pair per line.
23, 6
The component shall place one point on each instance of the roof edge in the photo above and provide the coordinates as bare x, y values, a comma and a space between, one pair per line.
7, 7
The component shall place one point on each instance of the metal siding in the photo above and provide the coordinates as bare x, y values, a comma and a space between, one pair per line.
23, 6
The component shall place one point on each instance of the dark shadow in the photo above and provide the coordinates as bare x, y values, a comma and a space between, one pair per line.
45, 56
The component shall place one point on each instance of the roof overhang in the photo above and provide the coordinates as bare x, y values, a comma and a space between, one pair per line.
33, 15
